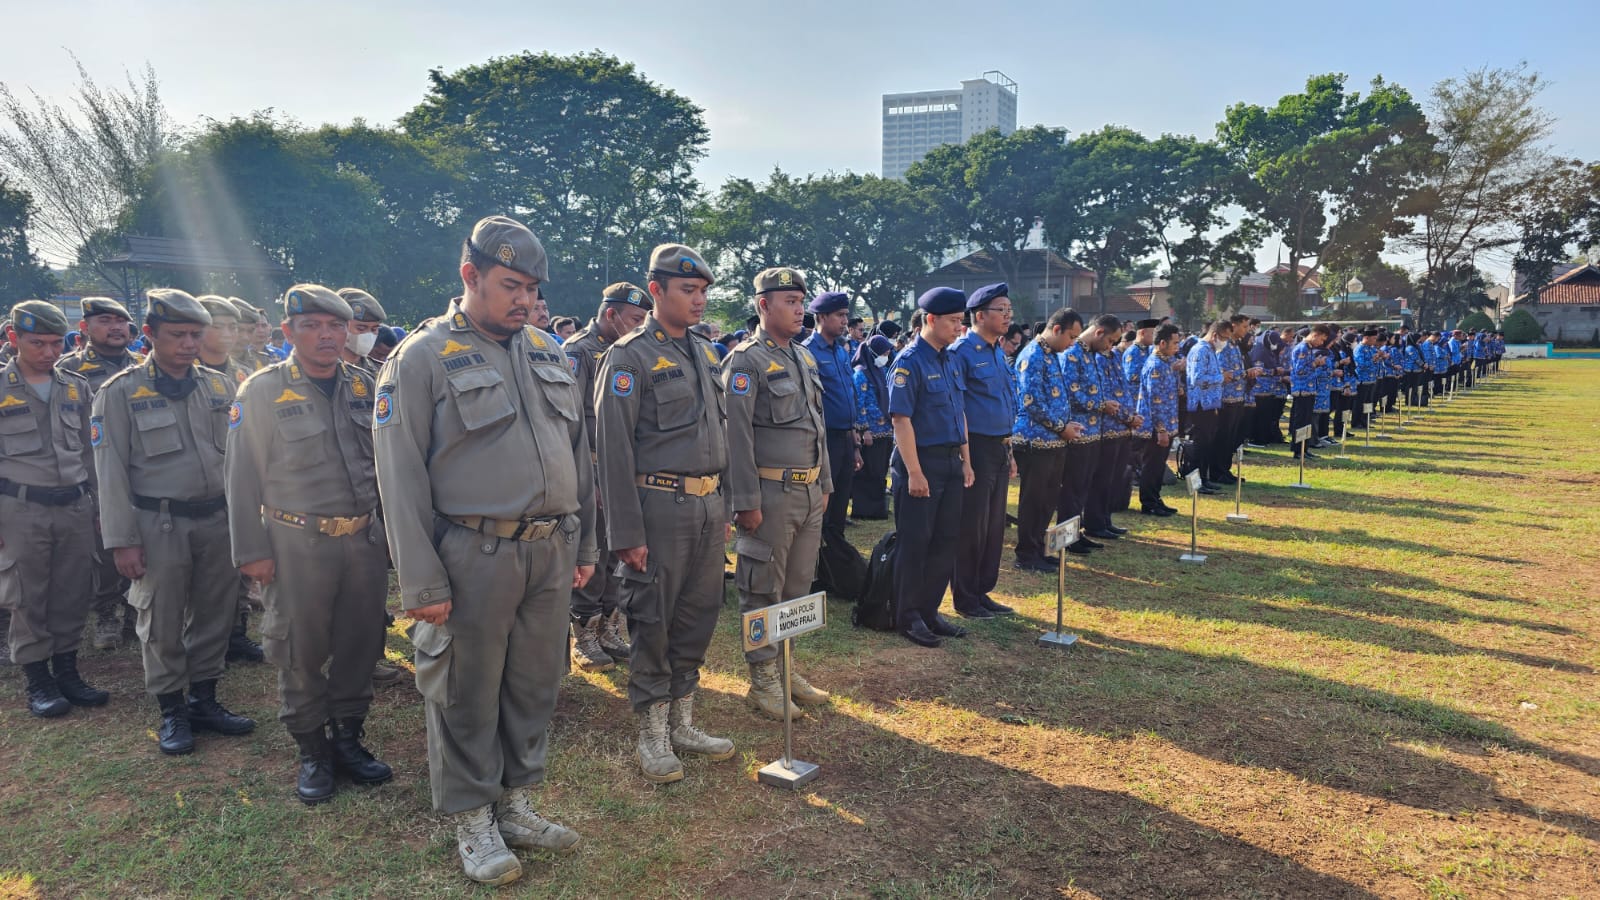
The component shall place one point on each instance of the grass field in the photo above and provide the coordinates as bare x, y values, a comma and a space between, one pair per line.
1382, 686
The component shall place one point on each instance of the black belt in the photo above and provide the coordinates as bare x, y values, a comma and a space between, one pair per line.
938, 450
48, 496
188, 509
991, 438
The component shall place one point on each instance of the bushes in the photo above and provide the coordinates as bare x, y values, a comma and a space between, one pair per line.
1522, 328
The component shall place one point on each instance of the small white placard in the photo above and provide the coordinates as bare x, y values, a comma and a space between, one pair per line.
1194, 481
1063, 534
782, 621
1302, 434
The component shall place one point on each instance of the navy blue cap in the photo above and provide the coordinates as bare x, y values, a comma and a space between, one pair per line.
942, 301
889, 328
987, 294
829, 302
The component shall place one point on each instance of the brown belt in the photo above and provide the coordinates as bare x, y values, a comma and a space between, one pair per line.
790, 476
332, 526
513, 529
693, 485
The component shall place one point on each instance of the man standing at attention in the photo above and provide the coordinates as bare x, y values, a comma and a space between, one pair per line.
990, 406
830, 349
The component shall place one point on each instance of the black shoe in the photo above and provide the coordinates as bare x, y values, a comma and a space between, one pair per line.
176, 737
352, 760
1171, 510
1308, 454
206, 714
1104, 534
1223, 479
314, 781
973, 613
1162, 511
1052, 561
44, 695
1082, 546
1092, 545
1116, 529
242, 649
1209, 489
917, 633
1034, 565
943, 627
999, 609
77, 691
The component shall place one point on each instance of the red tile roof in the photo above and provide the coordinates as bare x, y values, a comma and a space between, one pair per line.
1579, 286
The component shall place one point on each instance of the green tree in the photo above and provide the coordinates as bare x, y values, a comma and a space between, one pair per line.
1102, 206
1560, 214
1522, 328
1476, 321
1327, 169
593, 156
989, 192
1461, 291
22, 276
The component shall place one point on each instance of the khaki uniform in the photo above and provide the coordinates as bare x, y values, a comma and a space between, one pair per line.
46, 513
159, 461
110, 588
777, 463
659, 412
302, 492
251, 361
475, 441
584, 351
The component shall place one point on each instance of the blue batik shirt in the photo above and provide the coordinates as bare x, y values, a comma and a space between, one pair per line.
1043, 409
1084, 392
1115, 387
1368, 367
872, 395
1133, 361
1233, 387
1302, 369
1205, 377
1158, 397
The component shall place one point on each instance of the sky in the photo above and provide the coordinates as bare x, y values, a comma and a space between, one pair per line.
797, 85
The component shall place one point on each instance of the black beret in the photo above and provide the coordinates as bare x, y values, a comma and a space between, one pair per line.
829, 302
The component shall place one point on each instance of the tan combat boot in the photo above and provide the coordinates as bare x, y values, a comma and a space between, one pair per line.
656, 759
586, 652
525, 829
484, 856
766, 691
614, 637
804, 692
689, 739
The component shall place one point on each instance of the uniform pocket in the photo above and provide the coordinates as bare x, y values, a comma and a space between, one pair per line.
158, 431
640, 595
70, 423
303, 443
754, 573
19, 436
560, 390
675, 406
10, 582
787, 403
435, 661
275, 635
481, 398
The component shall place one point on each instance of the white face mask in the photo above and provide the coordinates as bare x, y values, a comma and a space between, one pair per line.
881, 361
360, 344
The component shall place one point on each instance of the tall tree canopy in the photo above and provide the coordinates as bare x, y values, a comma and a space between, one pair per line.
22, 276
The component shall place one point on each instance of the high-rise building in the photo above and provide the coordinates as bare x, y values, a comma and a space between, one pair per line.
917, 122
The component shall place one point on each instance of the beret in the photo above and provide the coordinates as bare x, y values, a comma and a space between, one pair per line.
173, 305
303, 299
678, 261
38, 317
103, 306
510, 243
1370, 332
942, 301
248, 314
889, 328
387, 337
878, 345
781, 278
829, 302
1147, 323
631, 294
363, 306
220, 308
987, 294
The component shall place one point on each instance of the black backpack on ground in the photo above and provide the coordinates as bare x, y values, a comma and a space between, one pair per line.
877, 608
841, 570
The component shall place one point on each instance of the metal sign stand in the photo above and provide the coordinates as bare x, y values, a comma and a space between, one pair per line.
1238, 488
782, 623
1194, 480
1302, 436
1367, 409
1057, 540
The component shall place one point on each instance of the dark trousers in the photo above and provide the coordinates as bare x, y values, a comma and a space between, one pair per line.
842, 465
1301, 415
1365, 393
867, 500
1038, 492
1413, 383
1340, 403
1265, 426
983, 522
1110, 475
929, 529
1077, 475
1391, 393
1152, 469
1202, 434
1220, 456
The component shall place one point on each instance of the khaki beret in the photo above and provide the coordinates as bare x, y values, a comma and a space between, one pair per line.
510, 243
173, 305
248, 315
364, 306
39, 317
781, 278
220, 308
678, 261
103, 306
631, 294
314, 298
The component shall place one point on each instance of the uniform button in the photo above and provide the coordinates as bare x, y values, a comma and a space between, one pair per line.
166, 526
426, 595
488, 548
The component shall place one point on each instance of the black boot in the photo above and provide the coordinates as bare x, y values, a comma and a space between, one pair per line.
77, 691
175, 738
314, 784
352, 760
240, 647
206, 714
44, 695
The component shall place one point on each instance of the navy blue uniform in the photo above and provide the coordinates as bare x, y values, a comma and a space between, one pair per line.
925, 386
991, 408
839, 415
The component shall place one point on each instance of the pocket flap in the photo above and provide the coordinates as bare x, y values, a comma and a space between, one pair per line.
474, 378
753, 547
430, 639
296, 428
151, 419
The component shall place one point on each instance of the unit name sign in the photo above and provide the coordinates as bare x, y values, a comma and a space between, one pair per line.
782, 621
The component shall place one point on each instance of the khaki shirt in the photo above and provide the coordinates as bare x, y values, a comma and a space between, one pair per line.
464, 427
44, 444
232, 368
147, 445
775, 417
658, 408
252, 361
295, 449
584, 351
94, 366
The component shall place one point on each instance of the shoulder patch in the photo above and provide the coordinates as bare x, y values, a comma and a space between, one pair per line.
383, 407
900, 377
143, 392
72, 392
95, 432
740, 384
572, 360
235, 415
622, 383
358, 387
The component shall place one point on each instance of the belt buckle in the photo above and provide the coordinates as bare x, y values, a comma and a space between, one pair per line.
341, 527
